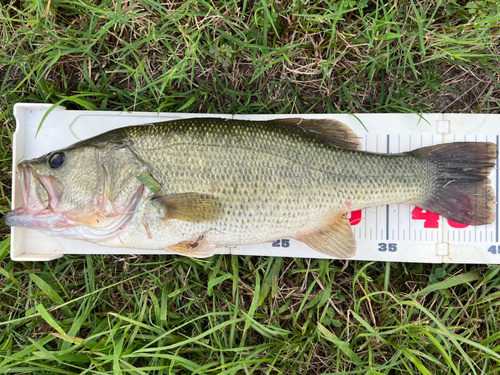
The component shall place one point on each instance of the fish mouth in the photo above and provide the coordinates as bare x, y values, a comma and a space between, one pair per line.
41, 194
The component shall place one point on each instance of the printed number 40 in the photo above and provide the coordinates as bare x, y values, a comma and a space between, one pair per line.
493, 250
431, 219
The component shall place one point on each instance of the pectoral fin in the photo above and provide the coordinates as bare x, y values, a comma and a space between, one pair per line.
335, 240
193, 207
199, 248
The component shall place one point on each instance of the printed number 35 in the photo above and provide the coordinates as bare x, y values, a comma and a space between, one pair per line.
392, 247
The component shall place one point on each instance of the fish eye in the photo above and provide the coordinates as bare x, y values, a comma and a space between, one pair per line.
56, 160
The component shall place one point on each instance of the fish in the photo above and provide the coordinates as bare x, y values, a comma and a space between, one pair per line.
191, 186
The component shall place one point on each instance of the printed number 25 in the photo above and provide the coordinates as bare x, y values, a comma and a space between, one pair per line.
392, 247
281, 243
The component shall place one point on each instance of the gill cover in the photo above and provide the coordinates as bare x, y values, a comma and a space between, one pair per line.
87, 191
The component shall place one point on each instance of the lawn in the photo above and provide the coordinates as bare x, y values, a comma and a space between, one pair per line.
236, 314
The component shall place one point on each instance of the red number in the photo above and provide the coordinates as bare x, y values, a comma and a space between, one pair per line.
431, 220
454, 224
355, 217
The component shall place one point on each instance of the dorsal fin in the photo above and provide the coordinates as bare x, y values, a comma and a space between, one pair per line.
340, 134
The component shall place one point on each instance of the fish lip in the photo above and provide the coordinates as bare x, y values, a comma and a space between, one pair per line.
29, 214
25, 169
49, 183
41, 220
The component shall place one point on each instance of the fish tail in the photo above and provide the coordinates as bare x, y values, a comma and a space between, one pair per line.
459, 188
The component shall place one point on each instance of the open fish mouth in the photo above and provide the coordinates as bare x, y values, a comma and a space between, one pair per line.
41, 194
101, 219
39, 191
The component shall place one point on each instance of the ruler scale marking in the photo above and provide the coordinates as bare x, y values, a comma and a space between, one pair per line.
475, 228
399, 150
496, 197
421, 145
376, 207
409, 216
398, 223
367, 249
387, 206
366, 211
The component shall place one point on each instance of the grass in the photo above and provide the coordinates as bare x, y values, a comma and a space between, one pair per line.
235, 314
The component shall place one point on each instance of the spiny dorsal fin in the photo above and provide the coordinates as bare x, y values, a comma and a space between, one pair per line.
335, 239
340, 134
194, 207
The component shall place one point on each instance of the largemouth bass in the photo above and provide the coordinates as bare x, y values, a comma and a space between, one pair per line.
191, 186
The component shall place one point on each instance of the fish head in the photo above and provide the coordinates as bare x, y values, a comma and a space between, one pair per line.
55, 185
86, 191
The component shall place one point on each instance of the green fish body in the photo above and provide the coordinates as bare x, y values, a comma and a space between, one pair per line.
191, 186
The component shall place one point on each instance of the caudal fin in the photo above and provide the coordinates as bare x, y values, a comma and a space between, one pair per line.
461, 190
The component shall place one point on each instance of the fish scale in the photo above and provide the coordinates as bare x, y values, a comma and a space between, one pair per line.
230, 182
272, 179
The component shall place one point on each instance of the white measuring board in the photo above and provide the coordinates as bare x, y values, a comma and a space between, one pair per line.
384, 233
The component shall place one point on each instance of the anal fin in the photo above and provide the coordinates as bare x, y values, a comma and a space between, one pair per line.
335, 239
